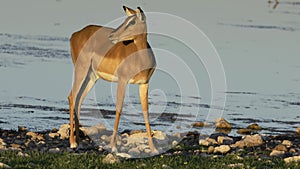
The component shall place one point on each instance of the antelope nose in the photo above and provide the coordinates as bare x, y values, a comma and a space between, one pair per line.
112, 38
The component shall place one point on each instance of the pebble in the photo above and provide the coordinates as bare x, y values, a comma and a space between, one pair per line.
148, 151
254, 126
20, 154
207, 142
32, 135
237, 165
22, 128
280, 147
53, 135
40, 137
276, 153
292, 159
223, 149
88, 131
224, 140
200, 124
174, 143
64, 131
135, 132
203, 142
134, 152
292, 150
4, 166
159, 135
54, 150
105, 138
244, 131
2, 144
166, 166
142, 147
287, 143
212, 141
298, 130
15, 145
41, 142
221, 123
124, 155
249, 141
210, 149
110, 159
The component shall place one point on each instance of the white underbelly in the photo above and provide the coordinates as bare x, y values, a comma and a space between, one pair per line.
107, 76
113, 78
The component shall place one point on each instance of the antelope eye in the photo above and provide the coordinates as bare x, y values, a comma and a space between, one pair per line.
132, 22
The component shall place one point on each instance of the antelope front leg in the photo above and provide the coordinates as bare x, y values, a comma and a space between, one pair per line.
73, 143
120, 98
144, 103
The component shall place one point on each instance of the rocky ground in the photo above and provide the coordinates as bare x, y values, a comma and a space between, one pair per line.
134, 144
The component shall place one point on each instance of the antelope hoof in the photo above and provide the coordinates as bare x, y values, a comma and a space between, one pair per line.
114, 149
73, 145
154, 151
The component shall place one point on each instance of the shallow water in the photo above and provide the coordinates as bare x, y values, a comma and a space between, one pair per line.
260, 54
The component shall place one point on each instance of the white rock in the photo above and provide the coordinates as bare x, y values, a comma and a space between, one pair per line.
64, 131
207, 142
54, 150
175, 143
159, 135
105, 138
53, 135
123, 155
89, 130
210, 149
4, 166
20, 154
203, 142
292, 159
134, 152
287, 143
110, 159
280, 147
2, 144
249, 141
156, 134
32, 135
142, 147
222, 149
276, 153
212, 141
221, 123
224, 140
147, 150
41, 142
237, 165
166, 166
93, 130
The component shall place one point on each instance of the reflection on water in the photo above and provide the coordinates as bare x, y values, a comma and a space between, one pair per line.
36, 76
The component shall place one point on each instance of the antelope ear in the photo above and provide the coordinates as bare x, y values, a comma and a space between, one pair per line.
129, 11
140, 14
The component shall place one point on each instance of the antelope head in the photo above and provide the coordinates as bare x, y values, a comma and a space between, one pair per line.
133, 27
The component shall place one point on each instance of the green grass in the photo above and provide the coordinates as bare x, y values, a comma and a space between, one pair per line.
93, 160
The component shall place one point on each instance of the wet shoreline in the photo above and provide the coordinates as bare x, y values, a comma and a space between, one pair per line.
286, 146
